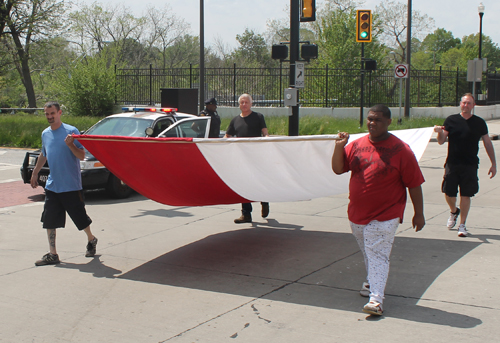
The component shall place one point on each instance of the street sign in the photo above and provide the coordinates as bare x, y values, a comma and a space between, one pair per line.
401, 71
474, 70
299, 75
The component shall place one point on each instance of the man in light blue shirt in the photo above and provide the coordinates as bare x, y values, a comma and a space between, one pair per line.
63, 190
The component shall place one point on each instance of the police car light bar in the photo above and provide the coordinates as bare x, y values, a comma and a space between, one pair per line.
149, 109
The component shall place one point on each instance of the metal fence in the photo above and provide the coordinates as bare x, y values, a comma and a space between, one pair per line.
324, 87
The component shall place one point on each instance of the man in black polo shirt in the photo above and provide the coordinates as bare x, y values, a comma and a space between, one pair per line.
248, 124
464, 130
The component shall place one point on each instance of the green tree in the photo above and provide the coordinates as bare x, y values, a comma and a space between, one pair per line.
469, 49
88, 88
335, 29
167, 34
489, 50
428, 56
454, 58
440, 41
6, 7
28, 22
95, 27
137, 40
392, 21
183, 52
253, 50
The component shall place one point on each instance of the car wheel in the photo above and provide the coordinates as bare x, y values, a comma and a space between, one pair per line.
117, 188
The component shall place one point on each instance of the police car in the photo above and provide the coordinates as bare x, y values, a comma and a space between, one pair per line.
133, 122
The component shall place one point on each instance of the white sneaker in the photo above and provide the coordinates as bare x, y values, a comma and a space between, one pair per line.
365, 290
462, 231
452, 221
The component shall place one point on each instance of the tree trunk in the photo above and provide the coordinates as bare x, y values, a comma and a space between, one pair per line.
23, 67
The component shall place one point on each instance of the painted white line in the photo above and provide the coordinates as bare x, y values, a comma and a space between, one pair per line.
6, 166
13, 208
10, 180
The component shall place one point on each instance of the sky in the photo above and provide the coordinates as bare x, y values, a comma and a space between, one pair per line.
224, 19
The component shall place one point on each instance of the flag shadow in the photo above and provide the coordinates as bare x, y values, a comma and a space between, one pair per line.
313, 268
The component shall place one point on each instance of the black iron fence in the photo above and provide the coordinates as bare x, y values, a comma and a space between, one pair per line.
324, 87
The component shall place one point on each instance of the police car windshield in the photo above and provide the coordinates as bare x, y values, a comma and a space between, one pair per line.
121, 126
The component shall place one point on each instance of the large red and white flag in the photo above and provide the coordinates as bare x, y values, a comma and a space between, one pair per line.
198, 172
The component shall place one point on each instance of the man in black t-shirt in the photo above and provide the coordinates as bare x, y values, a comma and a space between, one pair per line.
248, 124
464, 130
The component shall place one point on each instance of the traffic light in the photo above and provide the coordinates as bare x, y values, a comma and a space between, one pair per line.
308, 51
279, 52
308, 10
370, 64
364, 26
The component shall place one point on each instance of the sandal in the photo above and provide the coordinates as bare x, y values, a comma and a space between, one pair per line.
373, 308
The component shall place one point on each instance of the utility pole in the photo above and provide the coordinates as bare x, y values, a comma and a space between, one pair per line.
202, 56
300, 10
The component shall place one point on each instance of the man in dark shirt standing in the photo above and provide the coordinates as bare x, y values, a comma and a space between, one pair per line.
211, 110
248, 124
464, 130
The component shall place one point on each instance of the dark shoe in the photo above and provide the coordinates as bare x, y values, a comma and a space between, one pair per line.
48, 259
91, 247
265, 210
245, 218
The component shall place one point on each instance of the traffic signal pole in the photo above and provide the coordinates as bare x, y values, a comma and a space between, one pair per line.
363, 35
361, 95
293, 120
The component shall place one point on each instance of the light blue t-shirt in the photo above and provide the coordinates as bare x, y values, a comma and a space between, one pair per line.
65, 174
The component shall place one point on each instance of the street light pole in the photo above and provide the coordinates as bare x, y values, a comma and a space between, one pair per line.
408, 61
293, 120
480, 10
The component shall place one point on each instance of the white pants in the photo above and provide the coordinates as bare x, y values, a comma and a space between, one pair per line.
375, 240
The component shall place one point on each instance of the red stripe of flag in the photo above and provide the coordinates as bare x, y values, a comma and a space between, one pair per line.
171, 171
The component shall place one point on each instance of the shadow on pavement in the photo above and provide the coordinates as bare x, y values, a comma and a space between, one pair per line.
94, 266
280, 262
168, 213
101, 197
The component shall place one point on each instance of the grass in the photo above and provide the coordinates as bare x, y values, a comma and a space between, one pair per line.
24, 130
313, 125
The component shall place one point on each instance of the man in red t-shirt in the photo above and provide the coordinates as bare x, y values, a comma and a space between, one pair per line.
382, 168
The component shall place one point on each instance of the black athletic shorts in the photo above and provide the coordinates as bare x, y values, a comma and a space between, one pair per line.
56, 206
463, 176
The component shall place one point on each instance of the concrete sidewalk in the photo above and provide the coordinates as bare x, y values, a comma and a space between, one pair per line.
189, 274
